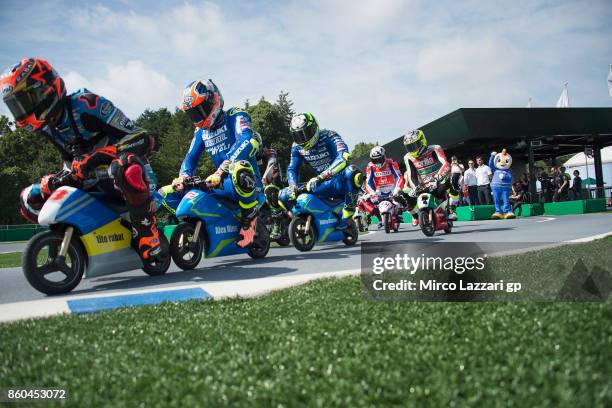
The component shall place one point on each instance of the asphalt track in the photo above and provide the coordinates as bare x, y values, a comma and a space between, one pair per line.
334, 257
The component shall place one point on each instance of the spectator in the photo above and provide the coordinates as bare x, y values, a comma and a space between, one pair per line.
483, 178
562, 183
545, 187
471, 182
456, 174
577, 186
517, 198
524, 181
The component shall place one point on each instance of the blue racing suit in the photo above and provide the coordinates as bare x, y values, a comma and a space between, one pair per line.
93, 132
229, 139
328, 157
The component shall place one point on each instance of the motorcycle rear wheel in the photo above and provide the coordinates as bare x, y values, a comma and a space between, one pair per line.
157, 265
351, 235
261, 243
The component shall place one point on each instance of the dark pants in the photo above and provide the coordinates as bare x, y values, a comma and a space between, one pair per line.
563, 196
484, 195
473, 195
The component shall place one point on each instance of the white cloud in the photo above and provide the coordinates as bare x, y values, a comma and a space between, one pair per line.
369, 69
132, 87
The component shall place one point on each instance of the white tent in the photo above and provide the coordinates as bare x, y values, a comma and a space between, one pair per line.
586, 168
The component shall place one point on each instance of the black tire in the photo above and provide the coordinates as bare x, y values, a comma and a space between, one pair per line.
351, 235
429, 229
36, 274
186, 254
159, 264
284, 240
303, 241
261, 242
385, 220
449, 223
397, 223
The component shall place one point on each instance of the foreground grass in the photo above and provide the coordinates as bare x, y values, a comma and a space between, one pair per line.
322, 344
10, 259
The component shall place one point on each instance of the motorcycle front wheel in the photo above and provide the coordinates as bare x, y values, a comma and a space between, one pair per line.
185, 253
301, 239
45, 271
427, 223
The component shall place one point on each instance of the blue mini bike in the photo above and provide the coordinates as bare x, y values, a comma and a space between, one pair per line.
315, 219
89, 235
210, 227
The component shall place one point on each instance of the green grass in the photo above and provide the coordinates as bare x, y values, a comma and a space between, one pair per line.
10, 259
322, 344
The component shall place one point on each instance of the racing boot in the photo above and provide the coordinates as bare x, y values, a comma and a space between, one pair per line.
248, 220
347, 219
145, 236
277, 215
452, 213
415, 219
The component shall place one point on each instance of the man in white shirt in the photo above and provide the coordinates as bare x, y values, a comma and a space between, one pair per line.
483, 180
471, 182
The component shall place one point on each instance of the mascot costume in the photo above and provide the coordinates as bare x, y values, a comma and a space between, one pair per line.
501, 185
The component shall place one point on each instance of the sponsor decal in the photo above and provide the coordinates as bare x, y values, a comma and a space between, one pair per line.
103, 239
226, 229
58, 195
106, 108
191, 195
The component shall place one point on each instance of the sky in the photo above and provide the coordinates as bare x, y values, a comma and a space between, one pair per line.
369, 69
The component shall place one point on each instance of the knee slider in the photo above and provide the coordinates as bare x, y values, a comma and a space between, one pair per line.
243, 178
355, 176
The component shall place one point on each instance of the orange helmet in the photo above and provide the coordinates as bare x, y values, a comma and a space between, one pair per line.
203, 103
33, 92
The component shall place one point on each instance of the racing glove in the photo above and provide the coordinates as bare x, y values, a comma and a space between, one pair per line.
51, 182
315, 181
215, 179
292, 192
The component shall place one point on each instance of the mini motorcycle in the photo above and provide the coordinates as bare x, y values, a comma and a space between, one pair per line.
433, 213
389, 211
89, 235
361, 217
210, 227
314, 220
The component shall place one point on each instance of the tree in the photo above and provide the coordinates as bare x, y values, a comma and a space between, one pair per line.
13, 180
362, 149
285, 107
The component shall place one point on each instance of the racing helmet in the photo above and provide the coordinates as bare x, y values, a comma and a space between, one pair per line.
304, 130
34, 93
377, 156
202, 102
415, 142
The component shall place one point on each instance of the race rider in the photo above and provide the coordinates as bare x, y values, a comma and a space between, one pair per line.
272, 182
383, 180
89, 131
425, 165
228, 138
325, 151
